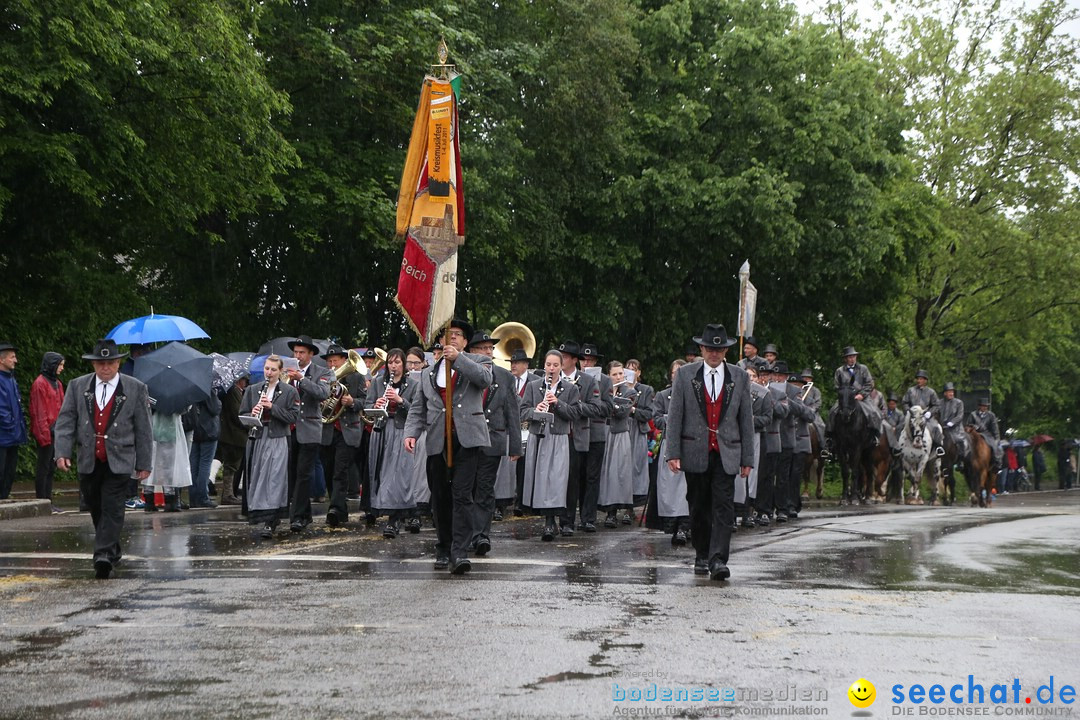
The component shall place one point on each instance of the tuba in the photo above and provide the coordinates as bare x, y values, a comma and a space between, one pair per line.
512, 336
332, 407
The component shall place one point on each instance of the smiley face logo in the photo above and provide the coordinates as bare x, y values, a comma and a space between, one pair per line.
862, 693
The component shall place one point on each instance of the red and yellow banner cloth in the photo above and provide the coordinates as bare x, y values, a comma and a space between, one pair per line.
431, 212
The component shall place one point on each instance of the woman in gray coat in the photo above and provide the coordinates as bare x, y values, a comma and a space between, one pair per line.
266, 482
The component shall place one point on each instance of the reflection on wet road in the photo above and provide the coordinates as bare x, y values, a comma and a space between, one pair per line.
1026, 543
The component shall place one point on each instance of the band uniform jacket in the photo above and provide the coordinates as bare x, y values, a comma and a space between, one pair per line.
857, 376
600, 425
763, 407
924, 397
591, 408
780, 411
352, 420
643, 410
129, 439
800, 418
660, 408
502, 411
314, 387
472, 373
564, 411
408, 397
813, 401
283, 414
688, 427
620, 421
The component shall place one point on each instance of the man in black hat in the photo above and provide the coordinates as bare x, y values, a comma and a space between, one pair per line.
750, 353
923, 395
857, 376
589, 487
453, 484
519, 368
109, 419
313, 383
710, 430
986, 424
347, 431
12, 424
952, 419
771, 353
502, 410
590, 409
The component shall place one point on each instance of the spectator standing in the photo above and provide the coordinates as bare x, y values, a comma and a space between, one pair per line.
46, 397
12, 424
1038, 465
231, 442
205, 419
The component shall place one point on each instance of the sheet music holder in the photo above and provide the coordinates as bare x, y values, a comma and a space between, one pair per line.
250, 421
374, 414
594, 371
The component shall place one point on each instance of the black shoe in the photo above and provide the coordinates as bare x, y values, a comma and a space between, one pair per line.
102, 568
549, 533
749, 521
589, 527
611, 521
566, 531
267, 532
497, 515
208, 505
461, 567
793, 516
627, 519
482, 547
678, 538
390, 531
370, 519
442, 562
413, 524
718, 571
184, 505
701, 567
762, 520
332, 519
296, 526
781, 518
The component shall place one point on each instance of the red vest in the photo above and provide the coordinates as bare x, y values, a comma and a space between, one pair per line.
101, 421
712, 416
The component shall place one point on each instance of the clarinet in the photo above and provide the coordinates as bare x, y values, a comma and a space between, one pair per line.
257, 411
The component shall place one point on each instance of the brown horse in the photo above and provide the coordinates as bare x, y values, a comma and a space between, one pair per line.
883, 464
980, 479
814, 467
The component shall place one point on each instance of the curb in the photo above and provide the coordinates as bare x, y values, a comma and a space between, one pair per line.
13, 510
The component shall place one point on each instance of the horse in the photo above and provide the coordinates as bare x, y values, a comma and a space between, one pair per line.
851, 439
954, 453
882, 459
916, 455
980, 479
814, 467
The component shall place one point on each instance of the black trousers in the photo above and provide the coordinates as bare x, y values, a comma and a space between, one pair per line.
487, 471
46, 470
452, 500
579, 470
711, 496
9, 459
783, 470
520, 487
337, 460
766, 485
589, 493
365, 475
302, 459
105, 492
794, 490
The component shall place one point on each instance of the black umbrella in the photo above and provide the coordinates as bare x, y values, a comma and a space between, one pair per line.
176, 375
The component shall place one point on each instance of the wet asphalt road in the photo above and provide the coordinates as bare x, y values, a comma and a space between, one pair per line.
204, 620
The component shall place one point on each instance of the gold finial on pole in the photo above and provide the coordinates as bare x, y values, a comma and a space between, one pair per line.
442, 69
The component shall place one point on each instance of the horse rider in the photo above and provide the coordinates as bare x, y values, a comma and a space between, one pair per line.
923, 395
952, 420
891, 423
857, 376
986, 424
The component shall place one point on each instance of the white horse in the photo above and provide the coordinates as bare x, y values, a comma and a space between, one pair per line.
917, 456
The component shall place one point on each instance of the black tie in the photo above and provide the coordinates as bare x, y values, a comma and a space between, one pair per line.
103, 387
712, 376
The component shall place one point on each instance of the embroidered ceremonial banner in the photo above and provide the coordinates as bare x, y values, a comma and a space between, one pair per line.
431, 213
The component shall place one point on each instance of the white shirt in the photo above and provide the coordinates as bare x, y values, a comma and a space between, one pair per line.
440, 374
569, 378
109, 390
714, 374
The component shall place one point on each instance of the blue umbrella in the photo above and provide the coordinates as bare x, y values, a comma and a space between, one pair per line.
155, 328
